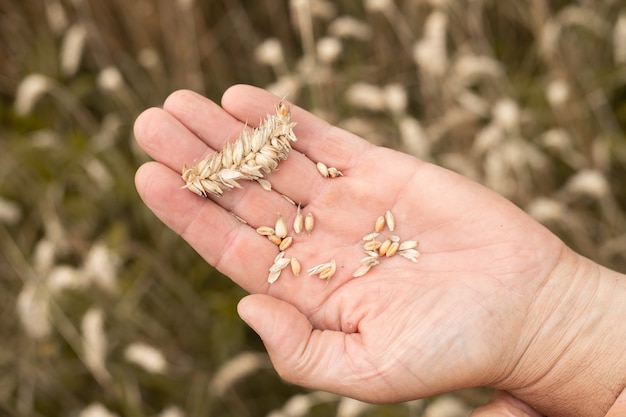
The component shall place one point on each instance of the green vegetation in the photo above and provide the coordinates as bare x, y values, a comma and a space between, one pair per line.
528, 98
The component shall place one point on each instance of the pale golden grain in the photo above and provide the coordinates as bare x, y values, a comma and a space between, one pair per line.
280, 263
384, 247
328, 272
309, 222
334, 172
298, 222
380, 224
408, 244
265, 230
372, 245
410, 254
274, 239
327, 269
393, 249
391, 220
285, 243
391, 246
365, 265
265, 184
322, 169
295, 266
280, 229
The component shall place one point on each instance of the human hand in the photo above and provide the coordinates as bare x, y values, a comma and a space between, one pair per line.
503, 404
469, 313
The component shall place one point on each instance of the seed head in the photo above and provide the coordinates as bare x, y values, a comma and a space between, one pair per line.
254, 154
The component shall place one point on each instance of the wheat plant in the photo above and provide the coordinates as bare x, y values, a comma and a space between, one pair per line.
105, 312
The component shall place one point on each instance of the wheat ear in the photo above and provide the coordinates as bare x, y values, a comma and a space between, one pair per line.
250, 157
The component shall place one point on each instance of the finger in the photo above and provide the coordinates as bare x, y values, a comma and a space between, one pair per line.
203, 117
320, 359
323, 141
292, 343
503, 404
209, 127
316, 138
211, 230
173, 137
167, 140
235, 249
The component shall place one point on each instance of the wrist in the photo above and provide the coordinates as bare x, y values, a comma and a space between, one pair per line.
572, 361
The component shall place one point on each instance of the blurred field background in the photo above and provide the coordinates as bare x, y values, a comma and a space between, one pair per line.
105, 312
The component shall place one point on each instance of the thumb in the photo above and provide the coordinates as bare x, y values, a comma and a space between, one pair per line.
283, 329
300, 354
503, 404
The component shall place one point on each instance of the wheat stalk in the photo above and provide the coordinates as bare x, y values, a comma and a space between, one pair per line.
250, 157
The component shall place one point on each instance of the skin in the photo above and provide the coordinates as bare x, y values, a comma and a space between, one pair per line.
495, 299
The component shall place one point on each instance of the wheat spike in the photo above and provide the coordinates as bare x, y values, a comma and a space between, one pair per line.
250, 157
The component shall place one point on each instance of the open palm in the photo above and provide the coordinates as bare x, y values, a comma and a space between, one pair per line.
404, 330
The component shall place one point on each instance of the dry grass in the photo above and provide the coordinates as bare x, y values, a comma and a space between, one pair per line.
528, 98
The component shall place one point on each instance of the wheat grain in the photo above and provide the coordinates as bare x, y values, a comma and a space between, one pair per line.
298, 222
322, 169
393, 249
372, 245
317, 268
280, 263
295, 266
329, 272
390, 220
391, 246
365, 265
274, 239
384, 247
410, 254
309, 222
265, 231
280, 229
250, 157
265, 184
328, 172
285, 243
324, 271
380, 224
334, 172
408, 244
